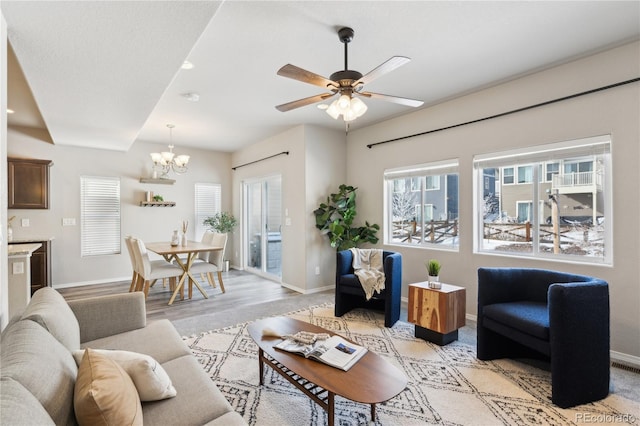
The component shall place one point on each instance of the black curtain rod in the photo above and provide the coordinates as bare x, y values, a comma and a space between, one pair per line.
588, 92
262, 159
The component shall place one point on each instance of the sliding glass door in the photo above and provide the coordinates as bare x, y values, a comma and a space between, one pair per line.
263, 225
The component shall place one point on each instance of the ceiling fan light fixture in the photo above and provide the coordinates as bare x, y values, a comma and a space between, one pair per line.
333, 110
344, 103
358, 107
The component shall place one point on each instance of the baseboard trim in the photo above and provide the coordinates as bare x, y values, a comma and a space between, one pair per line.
81, 283
625, 361
305, 291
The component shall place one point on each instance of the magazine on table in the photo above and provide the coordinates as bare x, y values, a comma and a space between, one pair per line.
334, 351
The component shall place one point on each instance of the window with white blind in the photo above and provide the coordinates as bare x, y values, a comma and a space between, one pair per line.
559, 207
208, 202
422, 205
99, 215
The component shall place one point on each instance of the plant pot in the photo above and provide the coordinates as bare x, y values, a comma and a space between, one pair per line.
225, 266
434, 282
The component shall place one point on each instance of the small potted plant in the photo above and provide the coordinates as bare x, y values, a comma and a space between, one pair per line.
433, 270
223, 222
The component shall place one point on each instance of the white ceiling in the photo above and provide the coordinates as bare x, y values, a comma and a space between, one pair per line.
105, 74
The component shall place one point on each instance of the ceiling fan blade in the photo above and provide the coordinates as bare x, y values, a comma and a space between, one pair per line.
395, 99
297, 73
388, 66
303, 102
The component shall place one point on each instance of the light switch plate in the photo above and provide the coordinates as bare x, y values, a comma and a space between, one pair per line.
69, 221
25, 222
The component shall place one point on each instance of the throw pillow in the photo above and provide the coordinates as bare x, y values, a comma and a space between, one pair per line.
104, 393
151, 380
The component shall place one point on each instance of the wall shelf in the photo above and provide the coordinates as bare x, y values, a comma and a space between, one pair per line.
157, 203
158, 181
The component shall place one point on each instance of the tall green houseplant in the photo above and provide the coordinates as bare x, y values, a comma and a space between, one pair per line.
335, 218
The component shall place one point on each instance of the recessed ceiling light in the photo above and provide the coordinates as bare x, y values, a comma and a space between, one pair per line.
323, 106
192, 97
186, 65
10, 111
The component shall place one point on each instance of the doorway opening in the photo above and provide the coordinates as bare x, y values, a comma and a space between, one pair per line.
262, 226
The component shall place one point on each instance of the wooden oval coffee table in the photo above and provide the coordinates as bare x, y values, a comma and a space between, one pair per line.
371, 380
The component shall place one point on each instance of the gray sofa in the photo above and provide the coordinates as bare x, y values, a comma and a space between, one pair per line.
38, 371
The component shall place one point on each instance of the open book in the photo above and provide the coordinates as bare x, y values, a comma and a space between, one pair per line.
334, 351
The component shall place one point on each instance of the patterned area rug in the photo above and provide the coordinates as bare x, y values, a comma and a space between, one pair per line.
447, 385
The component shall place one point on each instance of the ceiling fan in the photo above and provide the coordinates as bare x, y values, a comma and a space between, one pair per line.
348, 84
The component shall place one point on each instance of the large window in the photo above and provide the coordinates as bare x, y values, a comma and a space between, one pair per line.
421, 206
208, 202
99, 215
559, 208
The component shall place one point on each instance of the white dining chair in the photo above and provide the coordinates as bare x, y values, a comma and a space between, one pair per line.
149, 272
128, 242
214, 261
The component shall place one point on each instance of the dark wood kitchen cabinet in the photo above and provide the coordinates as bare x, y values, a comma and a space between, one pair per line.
40, 265
28, 183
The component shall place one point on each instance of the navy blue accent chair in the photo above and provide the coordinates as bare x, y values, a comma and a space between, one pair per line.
350, 295
560, 317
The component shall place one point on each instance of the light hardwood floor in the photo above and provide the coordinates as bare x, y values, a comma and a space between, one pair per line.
242, 290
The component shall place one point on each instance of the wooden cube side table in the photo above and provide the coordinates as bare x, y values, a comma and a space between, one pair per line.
437, 313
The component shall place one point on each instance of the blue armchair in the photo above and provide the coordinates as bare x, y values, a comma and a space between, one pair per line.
350, 295
560, 317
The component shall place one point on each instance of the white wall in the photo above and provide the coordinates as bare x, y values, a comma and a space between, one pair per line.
326, 170
614, 112
148, 223
4, 279
302, 171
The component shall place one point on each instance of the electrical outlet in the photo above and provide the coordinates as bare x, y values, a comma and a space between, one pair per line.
25, 222
18, 268
317, 270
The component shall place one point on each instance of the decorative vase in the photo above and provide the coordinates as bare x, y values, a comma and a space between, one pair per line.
175, 238
184, 240
434, 282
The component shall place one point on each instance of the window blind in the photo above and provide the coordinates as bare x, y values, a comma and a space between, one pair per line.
208, 202
99, 215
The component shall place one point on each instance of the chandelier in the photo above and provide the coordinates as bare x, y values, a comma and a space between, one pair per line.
165, 161
346, 105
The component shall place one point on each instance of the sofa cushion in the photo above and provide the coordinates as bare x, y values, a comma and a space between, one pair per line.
35, 359
19, 407
104, 393
150, 379
231, 418
528, 317
158, 339
199, 400
49, 309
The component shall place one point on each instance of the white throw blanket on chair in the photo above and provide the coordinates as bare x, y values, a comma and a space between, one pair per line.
368, 267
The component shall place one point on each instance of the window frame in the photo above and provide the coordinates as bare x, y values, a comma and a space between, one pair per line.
599, 149
420, 201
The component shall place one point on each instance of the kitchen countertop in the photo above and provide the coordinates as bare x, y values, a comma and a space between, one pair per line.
22, 249
23, 240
